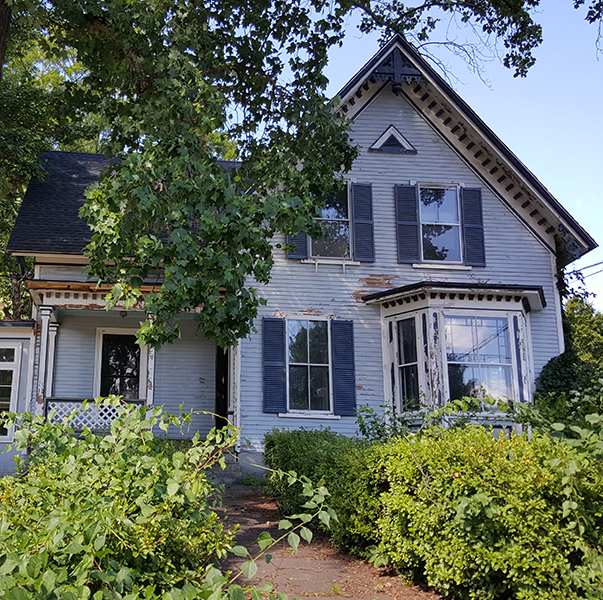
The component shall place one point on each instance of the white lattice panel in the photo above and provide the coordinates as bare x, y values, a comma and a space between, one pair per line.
98, 418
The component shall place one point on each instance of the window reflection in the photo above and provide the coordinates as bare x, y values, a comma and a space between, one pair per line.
478, 352
440, 224
120, 366
335, 219
308, 365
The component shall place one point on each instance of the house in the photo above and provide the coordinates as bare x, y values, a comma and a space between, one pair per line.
437, 280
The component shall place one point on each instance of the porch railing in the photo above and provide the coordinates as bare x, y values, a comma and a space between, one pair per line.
97, 417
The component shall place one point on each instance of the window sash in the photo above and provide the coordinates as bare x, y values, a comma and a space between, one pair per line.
317, 246
425, 222
303, 374
486, 373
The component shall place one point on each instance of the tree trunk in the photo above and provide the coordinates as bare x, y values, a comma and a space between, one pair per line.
6, 15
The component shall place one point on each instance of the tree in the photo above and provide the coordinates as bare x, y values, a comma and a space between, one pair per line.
34, 118
175, 80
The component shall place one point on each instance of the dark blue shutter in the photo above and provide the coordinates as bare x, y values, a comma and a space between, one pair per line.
473, 227
301, 245
275, 381
407, 223
344, 380
362, 214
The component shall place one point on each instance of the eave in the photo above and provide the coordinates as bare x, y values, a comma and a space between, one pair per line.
477, 145
530, 297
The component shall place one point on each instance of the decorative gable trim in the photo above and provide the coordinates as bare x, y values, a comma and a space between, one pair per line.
471, 139
392, 141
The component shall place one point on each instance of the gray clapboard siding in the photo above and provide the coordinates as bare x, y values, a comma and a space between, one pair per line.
184, 371
513, 256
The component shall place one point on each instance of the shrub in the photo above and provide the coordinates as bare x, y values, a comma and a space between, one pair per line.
330, 459
108, 516
476, 516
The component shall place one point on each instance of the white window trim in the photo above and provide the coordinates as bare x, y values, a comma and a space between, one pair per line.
15, 367
437, 351
306, 413
146, 357
477, 314
440, 263
349, 260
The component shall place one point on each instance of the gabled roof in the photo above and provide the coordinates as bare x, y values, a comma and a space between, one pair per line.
48, 220
399, 65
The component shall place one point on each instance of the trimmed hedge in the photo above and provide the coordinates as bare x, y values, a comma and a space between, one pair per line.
475, 516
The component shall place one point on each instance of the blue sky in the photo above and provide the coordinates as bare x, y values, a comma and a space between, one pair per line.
552, 120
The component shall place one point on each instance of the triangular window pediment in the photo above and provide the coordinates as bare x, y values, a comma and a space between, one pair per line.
394, 142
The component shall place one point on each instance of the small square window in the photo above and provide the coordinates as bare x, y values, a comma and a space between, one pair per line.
440, 224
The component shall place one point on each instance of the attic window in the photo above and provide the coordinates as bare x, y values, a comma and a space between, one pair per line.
394, 142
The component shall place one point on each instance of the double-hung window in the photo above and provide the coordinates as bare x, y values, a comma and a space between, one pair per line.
308, 368
347, 220
335, 219
408, 365
440, 224
10, 361
478, 354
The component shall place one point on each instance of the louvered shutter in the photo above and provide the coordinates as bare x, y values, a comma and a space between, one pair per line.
344, 381
275, 380
301, 245
407, 223
473, 227
362, 214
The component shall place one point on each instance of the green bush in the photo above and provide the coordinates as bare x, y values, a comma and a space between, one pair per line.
122, 515
327, 458
476, 516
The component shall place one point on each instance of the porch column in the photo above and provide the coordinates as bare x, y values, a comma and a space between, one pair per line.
52, 337
234, 387
45, 314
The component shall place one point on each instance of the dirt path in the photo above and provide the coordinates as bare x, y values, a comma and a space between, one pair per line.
317, 569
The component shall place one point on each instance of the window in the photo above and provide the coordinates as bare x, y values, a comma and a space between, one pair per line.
308, 358
10, 360
440, 224
478, 353
308, 367
121, 364
348, 223
408, 366
335, 219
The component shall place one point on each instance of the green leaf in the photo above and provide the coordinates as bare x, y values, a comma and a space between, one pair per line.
293, 540
249, 569
99, 542
264, 540
284, 524
172, 488
306, 534
235, 592
268, 558
239, 551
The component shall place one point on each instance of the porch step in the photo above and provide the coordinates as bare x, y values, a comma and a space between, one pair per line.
231, 474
